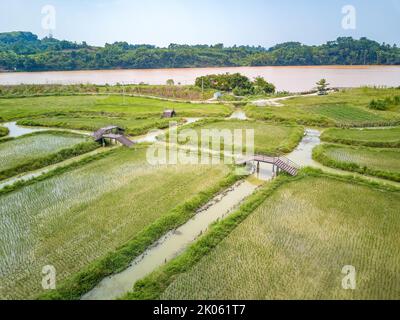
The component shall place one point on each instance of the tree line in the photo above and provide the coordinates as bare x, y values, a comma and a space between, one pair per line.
24, 51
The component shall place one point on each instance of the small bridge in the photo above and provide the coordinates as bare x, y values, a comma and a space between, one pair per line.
112, 133
278, 163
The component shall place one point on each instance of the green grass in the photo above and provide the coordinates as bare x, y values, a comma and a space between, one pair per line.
77, 217
38, 150
114, 106
3, 131
291, 241
385, 138
133, 126
268, 138
347, 108
383, 163
181, 92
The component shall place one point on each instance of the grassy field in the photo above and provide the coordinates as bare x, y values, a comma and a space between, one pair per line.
114, 106
295, 245
163, 91
383, 163
72, 219
268, 138
385, 138
132, 126
27, 151
3, 131
346, 108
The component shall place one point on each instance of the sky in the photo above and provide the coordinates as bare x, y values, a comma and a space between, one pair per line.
232, 22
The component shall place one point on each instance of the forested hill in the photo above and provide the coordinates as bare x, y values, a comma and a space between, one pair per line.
24, 51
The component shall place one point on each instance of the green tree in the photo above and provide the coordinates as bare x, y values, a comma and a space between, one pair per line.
322, 86
170, 82
261, 86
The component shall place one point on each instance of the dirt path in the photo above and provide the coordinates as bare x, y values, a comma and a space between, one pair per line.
275, 102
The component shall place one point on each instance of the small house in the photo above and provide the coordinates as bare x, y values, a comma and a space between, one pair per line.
169, 114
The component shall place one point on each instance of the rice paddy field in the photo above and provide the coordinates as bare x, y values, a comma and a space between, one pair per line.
133, 126
389, 138
347, 108
296, 243
268, 138
71, 219
117, 106
29, 148
381, 162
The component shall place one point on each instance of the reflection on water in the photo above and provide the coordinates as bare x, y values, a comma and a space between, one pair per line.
239, 115
302, 155
17, 131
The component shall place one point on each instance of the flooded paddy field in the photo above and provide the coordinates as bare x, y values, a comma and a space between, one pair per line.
40, 149
72, 219
380, 162
295, 245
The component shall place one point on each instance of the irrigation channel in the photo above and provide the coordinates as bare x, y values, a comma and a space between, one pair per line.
16, 130
175, 242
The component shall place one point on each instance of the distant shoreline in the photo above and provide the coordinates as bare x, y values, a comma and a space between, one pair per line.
336, 66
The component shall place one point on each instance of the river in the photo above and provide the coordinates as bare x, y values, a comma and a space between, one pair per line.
293, 79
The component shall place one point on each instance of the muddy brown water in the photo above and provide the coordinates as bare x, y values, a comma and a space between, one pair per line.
172, 244
293, 79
